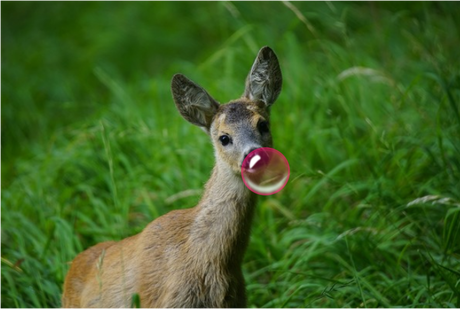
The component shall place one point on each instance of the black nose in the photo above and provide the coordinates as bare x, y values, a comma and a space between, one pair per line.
246, 154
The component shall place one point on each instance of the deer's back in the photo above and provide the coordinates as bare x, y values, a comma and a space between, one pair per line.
159, 264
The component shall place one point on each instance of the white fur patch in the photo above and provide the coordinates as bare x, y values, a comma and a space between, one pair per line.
251, 107
222, 117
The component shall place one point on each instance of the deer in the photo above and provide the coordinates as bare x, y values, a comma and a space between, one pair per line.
190, 257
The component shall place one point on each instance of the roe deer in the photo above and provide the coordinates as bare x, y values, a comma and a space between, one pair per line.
190, 257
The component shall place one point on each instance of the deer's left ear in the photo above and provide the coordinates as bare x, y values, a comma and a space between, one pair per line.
264, 81
193, 102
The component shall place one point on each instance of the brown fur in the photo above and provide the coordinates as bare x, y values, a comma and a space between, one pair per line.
190, 257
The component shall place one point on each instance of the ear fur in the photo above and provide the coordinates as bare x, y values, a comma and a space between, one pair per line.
193, 102
264, 81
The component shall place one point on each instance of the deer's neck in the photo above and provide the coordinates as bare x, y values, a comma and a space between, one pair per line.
224, 215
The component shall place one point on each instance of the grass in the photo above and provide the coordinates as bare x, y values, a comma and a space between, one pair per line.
93, 148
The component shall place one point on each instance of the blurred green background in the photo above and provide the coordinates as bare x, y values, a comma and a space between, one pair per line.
93, 148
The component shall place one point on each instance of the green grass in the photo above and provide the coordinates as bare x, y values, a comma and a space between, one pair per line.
93, 148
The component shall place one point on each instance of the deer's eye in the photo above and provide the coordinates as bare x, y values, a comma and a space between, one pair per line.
263, 127
225, 140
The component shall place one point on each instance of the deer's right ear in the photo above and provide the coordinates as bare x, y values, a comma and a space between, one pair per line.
264, 80
193, 102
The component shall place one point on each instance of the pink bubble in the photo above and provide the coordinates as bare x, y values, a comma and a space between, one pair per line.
265, 171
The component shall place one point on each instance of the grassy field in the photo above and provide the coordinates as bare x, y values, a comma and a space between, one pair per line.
369, 118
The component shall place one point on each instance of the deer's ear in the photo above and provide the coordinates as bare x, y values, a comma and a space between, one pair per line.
193, 102
264, 80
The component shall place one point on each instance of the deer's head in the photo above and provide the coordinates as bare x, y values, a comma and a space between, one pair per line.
241, 125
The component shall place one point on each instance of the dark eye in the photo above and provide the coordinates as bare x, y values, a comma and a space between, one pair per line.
224, 139
263, 127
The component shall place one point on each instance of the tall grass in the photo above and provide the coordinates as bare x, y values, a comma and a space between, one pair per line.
93, 148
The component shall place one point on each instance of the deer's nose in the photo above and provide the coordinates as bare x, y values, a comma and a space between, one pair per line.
246, 153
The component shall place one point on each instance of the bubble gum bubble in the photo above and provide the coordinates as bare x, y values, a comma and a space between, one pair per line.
265, 171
